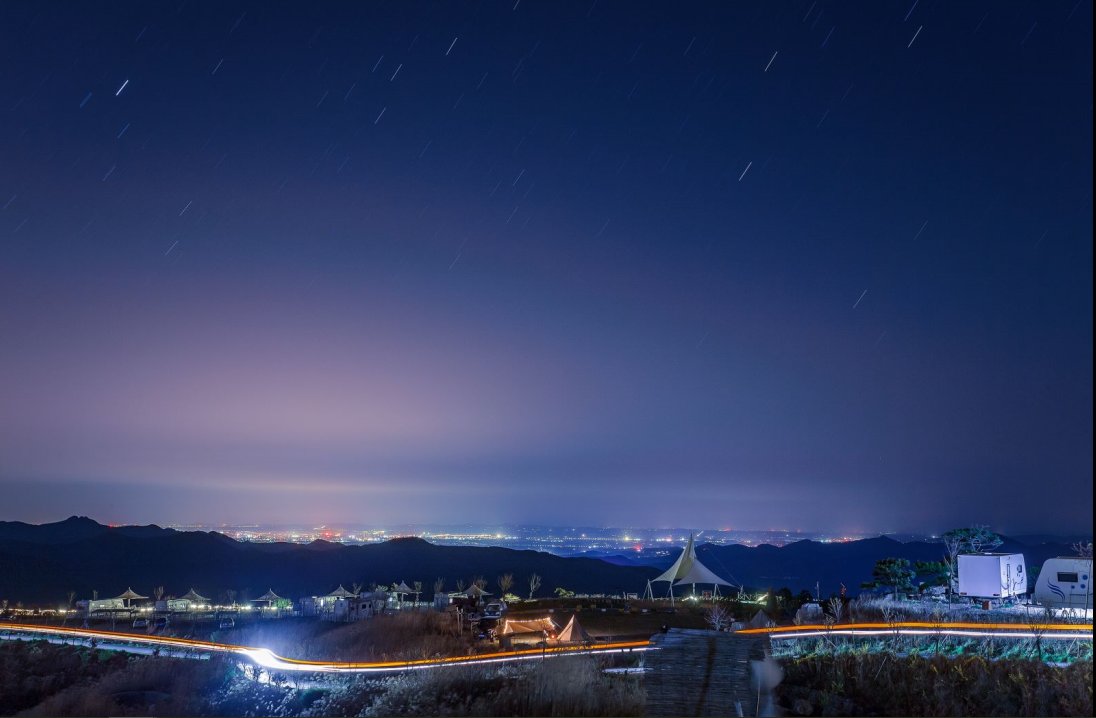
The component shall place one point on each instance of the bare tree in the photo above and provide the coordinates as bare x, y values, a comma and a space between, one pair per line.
460, 585
717, 617
356, 587
938, 618
158, 592
479, 582
68, 604
953, 545
891, 617
506, 582
439, 585
981, 539
231, 593
534, 584
1037, 622
837, 608
417, 586
1082, 549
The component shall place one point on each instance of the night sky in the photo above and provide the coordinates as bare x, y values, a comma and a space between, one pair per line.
819, 265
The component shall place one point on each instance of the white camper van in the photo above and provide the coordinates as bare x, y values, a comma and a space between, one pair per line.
992, 575
1064, 582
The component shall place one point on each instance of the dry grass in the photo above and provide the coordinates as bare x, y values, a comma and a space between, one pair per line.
554, 687
883, 684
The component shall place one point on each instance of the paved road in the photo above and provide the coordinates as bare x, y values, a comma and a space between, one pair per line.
267, 659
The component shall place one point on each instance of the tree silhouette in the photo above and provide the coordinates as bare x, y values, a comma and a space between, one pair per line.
534, 584
893, 573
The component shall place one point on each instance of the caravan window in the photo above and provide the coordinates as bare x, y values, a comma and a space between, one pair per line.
1067, 577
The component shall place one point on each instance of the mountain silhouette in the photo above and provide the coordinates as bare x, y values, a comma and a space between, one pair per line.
40, 564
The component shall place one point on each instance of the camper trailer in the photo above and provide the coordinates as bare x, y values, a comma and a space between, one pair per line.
992, 575
1064, 583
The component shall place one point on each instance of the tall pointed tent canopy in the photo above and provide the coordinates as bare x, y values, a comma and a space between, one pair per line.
269, 597
340, 592
689, 569
699, 573
403, 588
573, 632
193, 596
475, 591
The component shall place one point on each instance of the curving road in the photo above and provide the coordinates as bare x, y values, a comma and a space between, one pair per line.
267, 659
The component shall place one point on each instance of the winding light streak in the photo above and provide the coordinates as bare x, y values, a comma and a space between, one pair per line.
268, 659
924, 628
925, 632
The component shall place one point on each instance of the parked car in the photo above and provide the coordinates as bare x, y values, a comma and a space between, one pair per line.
140, 623
228, 623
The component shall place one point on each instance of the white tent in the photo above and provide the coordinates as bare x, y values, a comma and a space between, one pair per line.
688, 570
761, 620
573, 632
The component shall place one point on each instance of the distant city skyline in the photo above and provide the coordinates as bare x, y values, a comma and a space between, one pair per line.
743, 264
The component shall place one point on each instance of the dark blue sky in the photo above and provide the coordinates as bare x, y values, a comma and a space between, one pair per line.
821, 265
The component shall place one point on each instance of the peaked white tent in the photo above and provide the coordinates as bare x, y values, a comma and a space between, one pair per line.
687, 570
761, 620
573, 632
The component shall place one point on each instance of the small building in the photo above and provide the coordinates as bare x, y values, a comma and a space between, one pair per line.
324, 606
95, 607
187, 603
400, 590
272, 605
992, 575
353, 608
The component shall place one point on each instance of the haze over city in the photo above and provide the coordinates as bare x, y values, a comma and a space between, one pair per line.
747, 265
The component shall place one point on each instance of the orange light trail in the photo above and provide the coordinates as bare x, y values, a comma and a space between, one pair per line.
268, 659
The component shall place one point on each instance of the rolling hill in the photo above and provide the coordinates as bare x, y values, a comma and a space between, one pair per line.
40, 564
